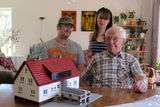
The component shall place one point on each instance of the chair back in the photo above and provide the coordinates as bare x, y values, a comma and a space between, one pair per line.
150, 73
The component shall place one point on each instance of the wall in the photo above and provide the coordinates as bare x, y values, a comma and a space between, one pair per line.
26, 15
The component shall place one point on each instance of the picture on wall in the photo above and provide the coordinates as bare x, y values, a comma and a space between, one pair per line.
72, 14
88, 20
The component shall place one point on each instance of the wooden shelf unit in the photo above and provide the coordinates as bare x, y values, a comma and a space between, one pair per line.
129, 26
137, 41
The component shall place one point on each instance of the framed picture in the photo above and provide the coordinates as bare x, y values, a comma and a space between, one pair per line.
72, 14
88, 20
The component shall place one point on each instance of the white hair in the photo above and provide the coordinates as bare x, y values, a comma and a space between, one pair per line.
122, 31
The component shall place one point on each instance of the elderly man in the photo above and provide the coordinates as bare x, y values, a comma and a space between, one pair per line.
62, 46
113, 68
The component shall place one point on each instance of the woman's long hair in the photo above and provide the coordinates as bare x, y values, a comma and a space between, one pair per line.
107, 14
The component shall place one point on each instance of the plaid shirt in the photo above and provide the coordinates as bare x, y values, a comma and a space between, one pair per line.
112, 72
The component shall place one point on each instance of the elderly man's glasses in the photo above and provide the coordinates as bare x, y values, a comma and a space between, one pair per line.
67, 26
112, 38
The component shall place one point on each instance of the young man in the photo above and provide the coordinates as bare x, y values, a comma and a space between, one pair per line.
62, 46
113, 68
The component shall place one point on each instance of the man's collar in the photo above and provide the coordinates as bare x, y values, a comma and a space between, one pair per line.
121, 54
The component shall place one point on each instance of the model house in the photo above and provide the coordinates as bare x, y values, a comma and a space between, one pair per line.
41, 80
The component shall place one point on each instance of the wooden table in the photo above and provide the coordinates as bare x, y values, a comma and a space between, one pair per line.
111, 96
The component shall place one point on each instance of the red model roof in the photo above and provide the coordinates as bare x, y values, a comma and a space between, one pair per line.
54, 65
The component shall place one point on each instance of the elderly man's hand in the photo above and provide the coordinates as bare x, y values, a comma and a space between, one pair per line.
140, 86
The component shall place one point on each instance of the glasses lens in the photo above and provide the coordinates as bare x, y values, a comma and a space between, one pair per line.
67, 26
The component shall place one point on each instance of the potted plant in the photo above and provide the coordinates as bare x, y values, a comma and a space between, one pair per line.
138, 48
141, 32
142, 42
132, 31
116, 19
133, 46
131, 16
157, 66
35, 52
127, 46
141, 22
124, 19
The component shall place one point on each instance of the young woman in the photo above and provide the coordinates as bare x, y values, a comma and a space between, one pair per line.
96, 38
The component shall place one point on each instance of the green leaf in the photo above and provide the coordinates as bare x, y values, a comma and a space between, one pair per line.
157, 65
35, 51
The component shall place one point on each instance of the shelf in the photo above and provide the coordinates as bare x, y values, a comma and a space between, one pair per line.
144, 64
129, 26
133, 39
136, 52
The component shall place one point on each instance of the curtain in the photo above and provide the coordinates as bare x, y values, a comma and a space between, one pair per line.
155, 30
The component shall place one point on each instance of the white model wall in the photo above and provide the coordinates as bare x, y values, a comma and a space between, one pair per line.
52, 91
26, 88
26, 15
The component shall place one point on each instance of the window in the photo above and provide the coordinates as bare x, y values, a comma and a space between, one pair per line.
75, 82
64, 74
19, 89
33, 93
30, 81
5, 28
54, 88
26, 70
58, 86
45, 92
21, 79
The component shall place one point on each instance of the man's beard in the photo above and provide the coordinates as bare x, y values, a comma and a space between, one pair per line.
64, 37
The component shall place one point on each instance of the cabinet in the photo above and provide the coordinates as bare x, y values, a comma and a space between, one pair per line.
135, 44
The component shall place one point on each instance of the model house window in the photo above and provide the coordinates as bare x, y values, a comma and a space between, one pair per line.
75, 83
64, 74
30, 81
5, 30
54, 88
33, 93
45, 92
21, 79
19, 89
26, 70
58, 86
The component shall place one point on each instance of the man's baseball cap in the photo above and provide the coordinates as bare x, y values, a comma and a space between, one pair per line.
66, 20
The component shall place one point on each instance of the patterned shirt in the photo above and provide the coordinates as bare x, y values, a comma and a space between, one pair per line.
72, 50
97, 47
112, 72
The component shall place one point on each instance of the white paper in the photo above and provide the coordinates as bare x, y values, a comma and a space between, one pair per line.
153, 101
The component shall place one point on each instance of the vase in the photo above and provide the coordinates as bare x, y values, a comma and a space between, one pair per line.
13, 49
124, 22
142, 48
141, 35
132, 22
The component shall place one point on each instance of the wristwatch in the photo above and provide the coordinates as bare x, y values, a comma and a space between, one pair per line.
144, 81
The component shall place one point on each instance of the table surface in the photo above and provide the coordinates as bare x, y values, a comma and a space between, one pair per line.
111, 96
